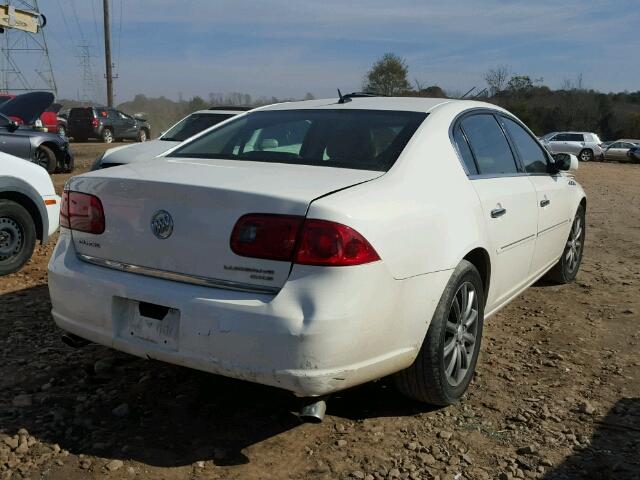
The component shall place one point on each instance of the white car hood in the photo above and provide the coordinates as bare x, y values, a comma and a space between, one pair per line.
137, 151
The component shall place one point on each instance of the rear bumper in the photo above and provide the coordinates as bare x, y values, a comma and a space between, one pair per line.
326, 330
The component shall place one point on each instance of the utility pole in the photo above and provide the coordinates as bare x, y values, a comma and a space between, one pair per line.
107, 53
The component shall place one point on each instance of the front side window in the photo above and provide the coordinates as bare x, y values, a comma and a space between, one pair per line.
489, 145
345, 138
192, 125
531, 154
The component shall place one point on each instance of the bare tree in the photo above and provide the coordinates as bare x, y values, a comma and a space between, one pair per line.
496, 79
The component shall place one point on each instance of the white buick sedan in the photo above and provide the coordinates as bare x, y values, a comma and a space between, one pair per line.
314, 246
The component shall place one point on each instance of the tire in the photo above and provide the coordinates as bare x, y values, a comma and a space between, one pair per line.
566, 269
107, 135
586, 155
427, 380
45, 157
142, 135
17, 236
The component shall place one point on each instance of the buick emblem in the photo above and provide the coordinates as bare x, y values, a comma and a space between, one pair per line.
162, 224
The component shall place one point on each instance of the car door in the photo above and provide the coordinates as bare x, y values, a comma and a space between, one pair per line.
574, 144
613, 152
508, 201
558, 143
115, 121
129, 129
13, 142
553, 196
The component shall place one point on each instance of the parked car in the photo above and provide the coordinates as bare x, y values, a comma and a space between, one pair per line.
585, 145
106, 124
29, 211
185, 128
634, 154
617, 151
49, 150
314, 246
48, 121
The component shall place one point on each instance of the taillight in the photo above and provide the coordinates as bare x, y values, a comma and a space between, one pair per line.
82, 212
333, 244
95, 122
271, 237
304, 241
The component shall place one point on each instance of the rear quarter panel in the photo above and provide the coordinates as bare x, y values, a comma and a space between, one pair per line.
423, 215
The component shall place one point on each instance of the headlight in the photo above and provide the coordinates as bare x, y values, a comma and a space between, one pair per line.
97, 163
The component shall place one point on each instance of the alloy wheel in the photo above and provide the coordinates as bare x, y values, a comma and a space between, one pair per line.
11, 238
41, 158
574, 245
461, 334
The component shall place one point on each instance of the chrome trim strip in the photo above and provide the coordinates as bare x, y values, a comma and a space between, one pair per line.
516, 242
552, 227
178, 277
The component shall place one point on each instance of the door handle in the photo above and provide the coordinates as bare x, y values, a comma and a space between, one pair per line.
545, 202
498, 212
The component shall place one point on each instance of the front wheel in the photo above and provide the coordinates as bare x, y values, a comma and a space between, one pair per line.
62, 131
586, 155
17, 236
566, 269
45, 157
446, 362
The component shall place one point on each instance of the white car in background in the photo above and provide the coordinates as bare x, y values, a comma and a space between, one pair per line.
29, 211
317, 245
185, 128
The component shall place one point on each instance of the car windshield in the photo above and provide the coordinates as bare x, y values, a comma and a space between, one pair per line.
357, 139
195, 123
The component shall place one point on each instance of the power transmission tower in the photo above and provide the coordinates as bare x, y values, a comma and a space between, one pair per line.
89, 87
24, 56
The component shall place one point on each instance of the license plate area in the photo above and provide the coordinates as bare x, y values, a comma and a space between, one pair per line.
148, 322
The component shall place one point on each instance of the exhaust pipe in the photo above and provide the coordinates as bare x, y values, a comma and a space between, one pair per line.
72, 340
313, 411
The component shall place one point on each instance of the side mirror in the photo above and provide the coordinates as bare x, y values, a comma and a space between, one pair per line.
566, 162
12, 127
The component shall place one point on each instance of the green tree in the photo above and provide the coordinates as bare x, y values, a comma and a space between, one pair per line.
388, 76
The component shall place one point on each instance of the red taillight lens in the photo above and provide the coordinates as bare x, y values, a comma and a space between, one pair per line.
82, 212
95, 122
333, 244
271, 237
294, 239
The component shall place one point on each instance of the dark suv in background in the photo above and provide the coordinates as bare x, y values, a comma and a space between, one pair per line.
106, 124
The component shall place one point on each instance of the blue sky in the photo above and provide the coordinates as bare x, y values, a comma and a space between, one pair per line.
287, 48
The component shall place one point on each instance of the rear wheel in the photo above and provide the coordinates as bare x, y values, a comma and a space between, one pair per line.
45, 157
446, 362
586, 155
17, 236
566, 269
142, 135
107, 136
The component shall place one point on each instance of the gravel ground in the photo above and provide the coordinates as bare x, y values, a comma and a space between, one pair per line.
557, 393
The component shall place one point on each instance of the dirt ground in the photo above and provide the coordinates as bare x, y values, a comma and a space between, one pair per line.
557, 393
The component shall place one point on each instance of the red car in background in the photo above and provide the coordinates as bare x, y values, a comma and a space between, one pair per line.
49, 120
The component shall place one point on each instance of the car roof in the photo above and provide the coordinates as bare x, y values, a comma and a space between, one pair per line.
210, 111
411, 104
628, 140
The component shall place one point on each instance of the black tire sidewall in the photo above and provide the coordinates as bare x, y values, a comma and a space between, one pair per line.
569, 276
591, 155
21, 216
52, 161
104, 135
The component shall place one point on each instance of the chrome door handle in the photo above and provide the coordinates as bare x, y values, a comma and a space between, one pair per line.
545, 202
498, 212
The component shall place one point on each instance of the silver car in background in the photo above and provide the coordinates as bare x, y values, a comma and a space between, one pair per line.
618, 151
584, 145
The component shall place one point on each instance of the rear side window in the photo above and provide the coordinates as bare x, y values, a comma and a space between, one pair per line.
575, 137
489, 145
531, 154
343, 138
464, 150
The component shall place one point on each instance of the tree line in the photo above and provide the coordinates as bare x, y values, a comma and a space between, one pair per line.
544, 110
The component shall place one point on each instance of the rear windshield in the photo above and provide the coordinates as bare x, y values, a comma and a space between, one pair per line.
81, 113
193, 124
357, 139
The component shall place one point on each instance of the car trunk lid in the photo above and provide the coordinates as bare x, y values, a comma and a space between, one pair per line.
204, 199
